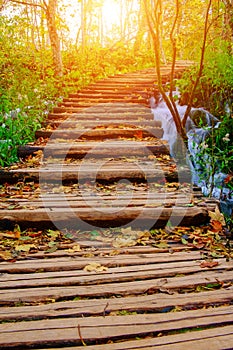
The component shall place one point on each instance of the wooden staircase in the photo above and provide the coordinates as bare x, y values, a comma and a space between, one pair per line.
99, 165
103, 134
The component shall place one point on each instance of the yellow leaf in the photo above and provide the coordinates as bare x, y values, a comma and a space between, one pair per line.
124, 242
127, 231
5, 255
95, 267
74, 249
217, 216
24, 247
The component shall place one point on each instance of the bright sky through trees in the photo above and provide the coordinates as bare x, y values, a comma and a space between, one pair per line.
111, 13
111, 18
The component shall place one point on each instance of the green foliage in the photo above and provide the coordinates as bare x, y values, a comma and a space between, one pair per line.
215, 155
215, 89
214, 93
16, 128
28, 84
222, 144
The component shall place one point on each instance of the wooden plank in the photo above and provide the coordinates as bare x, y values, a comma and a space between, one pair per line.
97, 107
91, 329
74, 263
82, 101
117, 274
100, 117
57, 194
214, 339
114, 203
159, 302
97, 149
100, 134
97, 249
77, 123
167, 285
98, 93
144, 217
93, 172
82, 202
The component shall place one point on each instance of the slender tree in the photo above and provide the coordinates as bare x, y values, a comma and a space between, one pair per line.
49, 7
154, 13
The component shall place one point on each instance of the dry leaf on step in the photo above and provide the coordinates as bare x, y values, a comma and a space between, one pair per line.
76, 248
95, 267
217, 216
124, 242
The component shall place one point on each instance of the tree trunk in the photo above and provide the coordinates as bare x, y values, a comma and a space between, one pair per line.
142, 27
53, 36
83, 24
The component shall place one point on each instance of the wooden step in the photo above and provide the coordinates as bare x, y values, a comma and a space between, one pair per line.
82, 124
119, 93
104, 107
102, 99
104, 170
150, 303
97, 149
100, 134
171, 292
92, 102
93, 115
102, 216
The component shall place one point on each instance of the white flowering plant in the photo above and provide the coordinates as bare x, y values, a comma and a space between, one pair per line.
220, 148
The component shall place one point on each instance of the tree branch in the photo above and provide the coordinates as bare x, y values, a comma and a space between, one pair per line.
30, 4
201, 65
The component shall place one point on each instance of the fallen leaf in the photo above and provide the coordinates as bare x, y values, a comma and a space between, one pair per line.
217, 216
161, 245
216, 226
127, 231
53, 234
10, 234
138, 134
74, 249
95, 267
24, 247
6, 255
52, 249
124, 242
228, 179
209, 264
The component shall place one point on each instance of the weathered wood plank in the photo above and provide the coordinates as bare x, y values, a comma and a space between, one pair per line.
90, 329
101, 134
80, 101
73, 197
82, 202
159, 302
82, 124
134, 108
167, 285
74, 263
98, 149
98, 248
112, 93
109, 172
144, 217
214, 339
91, 115
118, 274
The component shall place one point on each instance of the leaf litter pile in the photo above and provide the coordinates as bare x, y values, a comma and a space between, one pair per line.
17, 244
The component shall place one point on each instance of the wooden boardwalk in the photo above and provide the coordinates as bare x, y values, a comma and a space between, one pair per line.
99, 165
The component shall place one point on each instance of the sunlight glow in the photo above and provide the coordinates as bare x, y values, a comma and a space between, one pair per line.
111, 13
